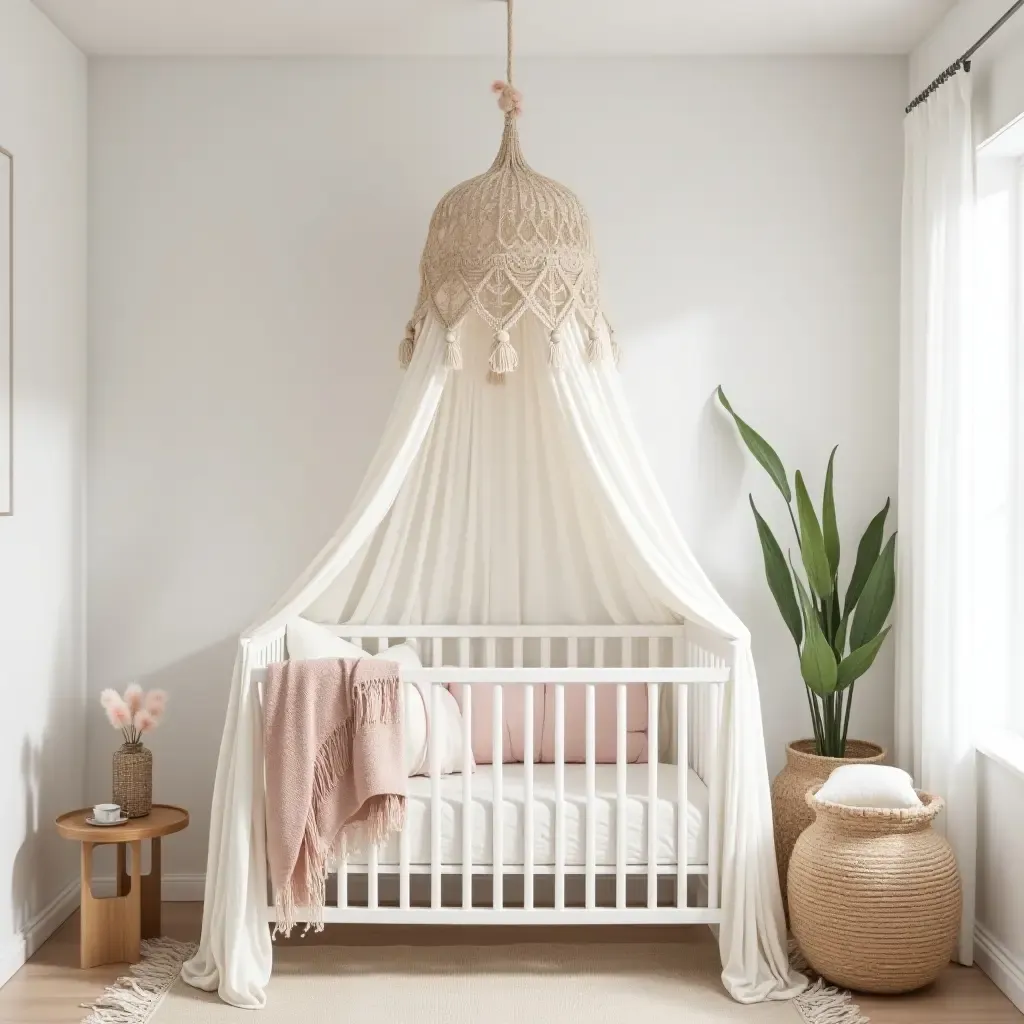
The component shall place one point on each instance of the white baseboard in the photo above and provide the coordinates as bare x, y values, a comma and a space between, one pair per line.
18, 949
1005, 969
173, 889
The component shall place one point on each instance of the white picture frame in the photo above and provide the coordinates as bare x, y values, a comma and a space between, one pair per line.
6, 332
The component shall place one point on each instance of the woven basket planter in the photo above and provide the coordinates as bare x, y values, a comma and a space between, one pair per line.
133, 779
804, 768
874, 896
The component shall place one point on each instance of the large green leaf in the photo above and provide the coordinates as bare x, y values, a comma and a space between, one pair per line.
812, 544
817, 662
867, 554
840, 642
760, 449
858, 661
828, 518
876, 598
779, 580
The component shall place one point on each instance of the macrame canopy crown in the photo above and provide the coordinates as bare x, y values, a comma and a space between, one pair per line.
505, 244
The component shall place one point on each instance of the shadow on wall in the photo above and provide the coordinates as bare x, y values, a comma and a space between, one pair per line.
50, 783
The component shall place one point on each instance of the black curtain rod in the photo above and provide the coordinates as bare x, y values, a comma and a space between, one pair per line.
964, 61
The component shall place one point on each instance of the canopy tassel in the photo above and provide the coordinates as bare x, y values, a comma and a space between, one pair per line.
503, 356
596, 347
452, 351
555, 351
405, 349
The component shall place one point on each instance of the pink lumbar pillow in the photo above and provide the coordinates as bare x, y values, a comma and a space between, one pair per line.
605, 736
513, 714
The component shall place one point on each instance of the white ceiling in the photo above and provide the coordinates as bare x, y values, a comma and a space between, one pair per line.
449, 27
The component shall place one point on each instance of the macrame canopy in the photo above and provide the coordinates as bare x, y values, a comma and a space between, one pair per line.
506, 244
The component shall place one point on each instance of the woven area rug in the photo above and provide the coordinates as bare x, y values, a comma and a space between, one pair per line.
523, 984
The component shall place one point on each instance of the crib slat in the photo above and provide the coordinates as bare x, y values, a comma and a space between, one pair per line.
435, 797
627, 652
467, 796
491, 647
620, 795
436, 652
403, 835
528, 822
652, 795
559, 796
572, 652
382, 644
371, 878
545, 652
591, 795
464, 659
343, 882
713, 797
682, 794
498, 819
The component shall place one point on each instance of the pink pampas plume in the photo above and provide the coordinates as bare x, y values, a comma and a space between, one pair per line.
510, 99
109, 697
133, 697
118, 713
155, 703
144, 721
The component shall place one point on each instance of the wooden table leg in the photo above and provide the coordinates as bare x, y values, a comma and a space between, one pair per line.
151, 885
111, 928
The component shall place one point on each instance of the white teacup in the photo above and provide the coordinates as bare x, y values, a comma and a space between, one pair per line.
106, 812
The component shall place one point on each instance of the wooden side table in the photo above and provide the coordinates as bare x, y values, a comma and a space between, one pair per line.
113, 928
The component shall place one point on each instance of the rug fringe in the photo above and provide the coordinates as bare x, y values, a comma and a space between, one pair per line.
821, 1003
134, 999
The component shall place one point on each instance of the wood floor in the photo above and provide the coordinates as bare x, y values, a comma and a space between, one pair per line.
50, 988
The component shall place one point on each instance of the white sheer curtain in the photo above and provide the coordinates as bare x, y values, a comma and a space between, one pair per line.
938, 686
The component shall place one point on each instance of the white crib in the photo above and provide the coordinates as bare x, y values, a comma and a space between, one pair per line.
564, 809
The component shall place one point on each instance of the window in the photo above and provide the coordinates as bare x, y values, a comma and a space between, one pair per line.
997, 449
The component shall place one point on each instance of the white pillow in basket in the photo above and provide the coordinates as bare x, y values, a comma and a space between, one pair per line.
309, 640
869, 785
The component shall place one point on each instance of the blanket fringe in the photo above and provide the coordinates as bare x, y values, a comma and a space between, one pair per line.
376, 701
134, 999
821, 1003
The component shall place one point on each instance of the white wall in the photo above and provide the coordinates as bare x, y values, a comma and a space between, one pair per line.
998, 72
255, 232
43, 111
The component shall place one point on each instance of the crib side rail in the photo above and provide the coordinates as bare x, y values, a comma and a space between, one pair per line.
683, 675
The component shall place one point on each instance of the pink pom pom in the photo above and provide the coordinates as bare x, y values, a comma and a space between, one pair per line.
510, 100
133, 697
144, 721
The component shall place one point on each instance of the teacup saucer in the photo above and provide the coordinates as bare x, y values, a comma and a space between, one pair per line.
106, 824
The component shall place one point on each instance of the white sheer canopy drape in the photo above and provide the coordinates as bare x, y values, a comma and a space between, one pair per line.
529, 502
938, 685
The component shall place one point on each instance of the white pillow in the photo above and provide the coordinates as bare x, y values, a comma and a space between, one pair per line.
308, 640
869, 785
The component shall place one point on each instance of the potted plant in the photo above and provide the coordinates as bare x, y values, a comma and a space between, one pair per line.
134, 714
837, 636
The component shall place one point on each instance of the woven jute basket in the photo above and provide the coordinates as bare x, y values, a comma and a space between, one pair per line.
874, 895
805, 768
133, 779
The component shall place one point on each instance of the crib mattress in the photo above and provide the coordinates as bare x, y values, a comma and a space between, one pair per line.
513, 785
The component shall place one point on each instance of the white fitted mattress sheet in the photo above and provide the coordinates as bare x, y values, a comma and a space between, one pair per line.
417, 825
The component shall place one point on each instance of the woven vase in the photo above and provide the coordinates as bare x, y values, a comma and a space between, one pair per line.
804, 768
133, 779
874, 896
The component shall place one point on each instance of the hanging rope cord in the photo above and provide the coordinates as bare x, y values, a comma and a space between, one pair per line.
508, 41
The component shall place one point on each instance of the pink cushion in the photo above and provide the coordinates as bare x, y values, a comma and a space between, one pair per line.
605, 742
513, 718
513, 701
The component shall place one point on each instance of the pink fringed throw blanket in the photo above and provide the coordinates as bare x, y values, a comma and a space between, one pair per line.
334, 768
